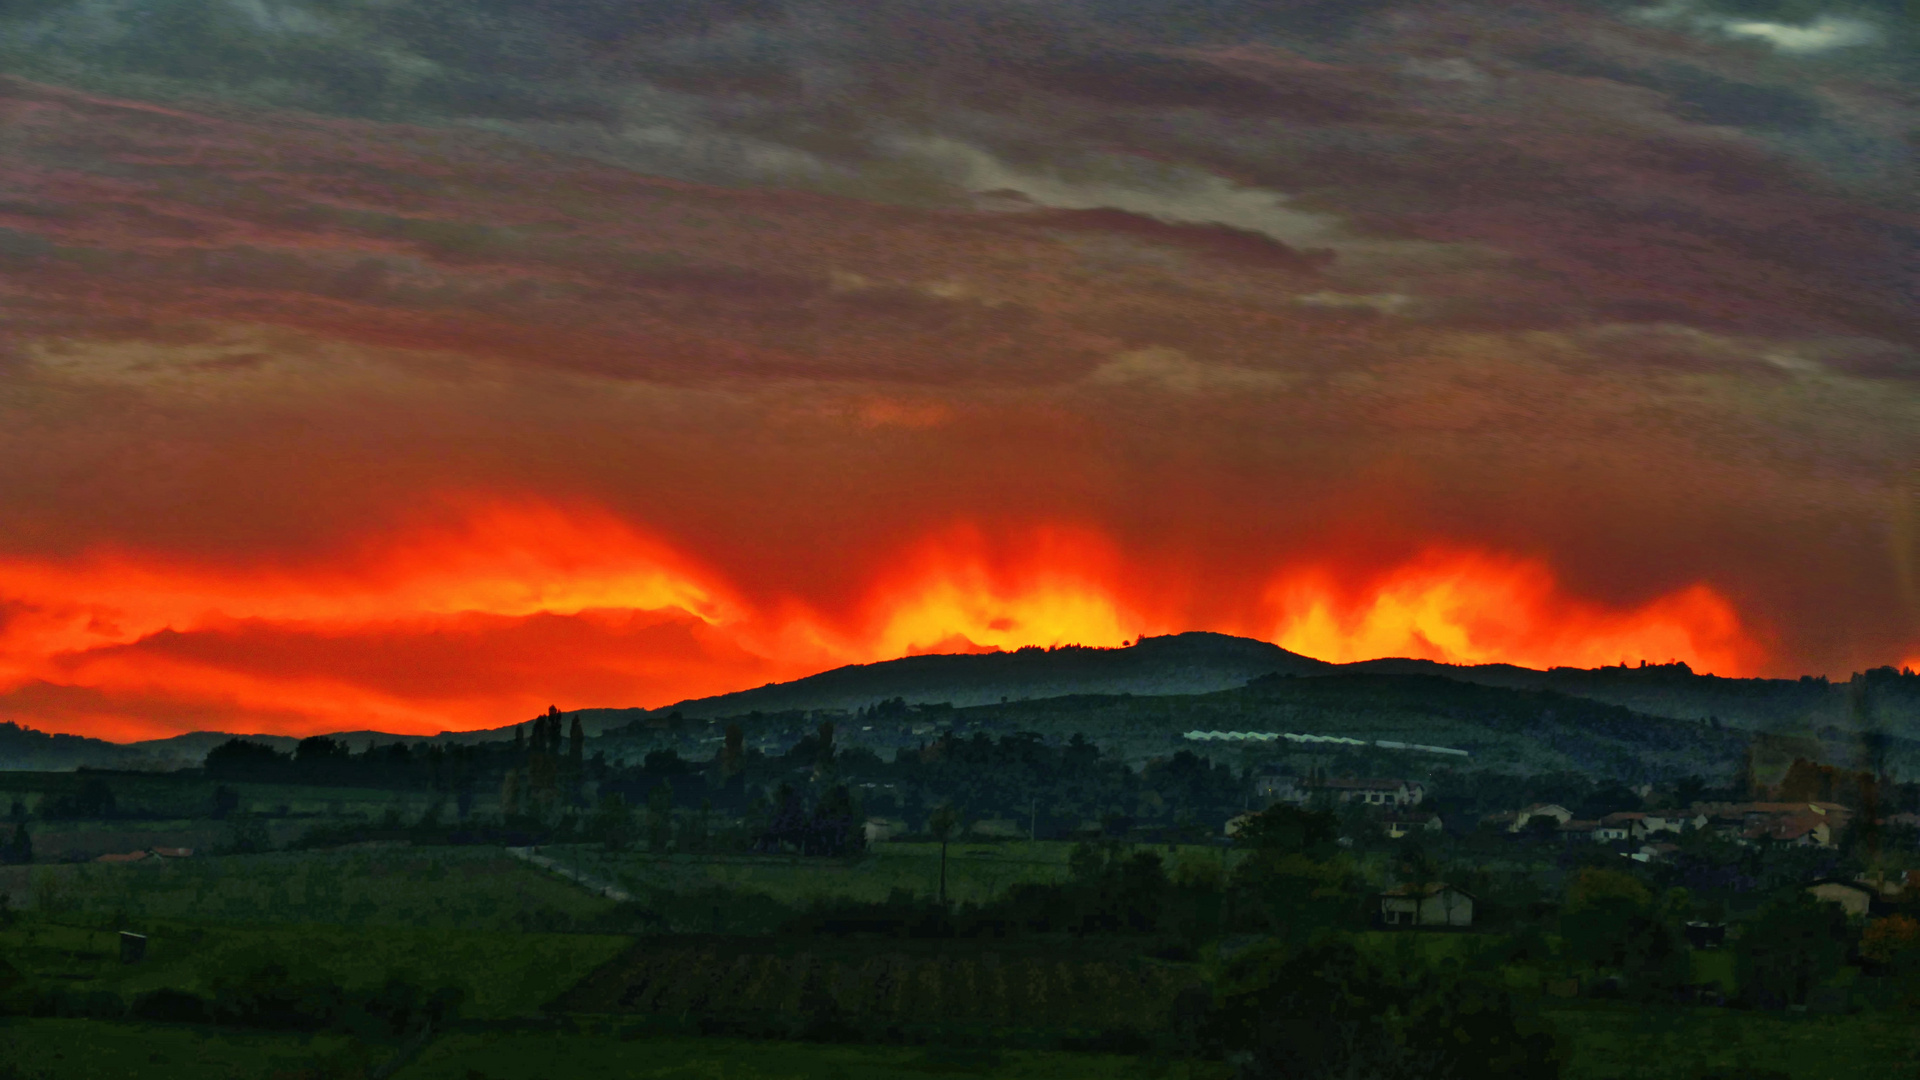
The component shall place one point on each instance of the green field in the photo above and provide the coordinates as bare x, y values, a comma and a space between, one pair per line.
1623, 1042
1040, 990
590, 1057
444, 888
502, 974
100, 1050
975, 872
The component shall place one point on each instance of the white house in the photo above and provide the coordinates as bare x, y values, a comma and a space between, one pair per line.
1558, 813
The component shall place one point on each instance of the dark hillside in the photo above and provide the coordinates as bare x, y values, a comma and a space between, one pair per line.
1503, 728
1191, 663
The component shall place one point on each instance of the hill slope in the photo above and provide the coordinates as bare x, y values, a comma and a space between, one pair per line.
1190, 663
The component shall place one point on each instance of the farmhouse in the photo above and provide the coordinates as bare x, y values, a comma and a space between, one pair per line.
1373, 792
1430, 904
1399, 825
1579, 830
1538, 810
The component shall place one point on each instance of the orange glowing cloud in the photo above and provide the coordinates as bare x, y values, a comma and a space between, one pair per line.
484, 613
1468, 607
1060, 586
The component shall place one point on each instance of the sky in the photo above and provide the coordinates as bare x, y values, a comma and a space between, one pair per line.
411, 365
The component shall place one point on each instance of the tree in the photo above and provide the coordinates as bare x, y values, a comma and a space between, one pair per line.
1792, 946
660, 818
613, 823
319, 748
19, 850
1286, 828
941, 824
1330, 1012
239, 759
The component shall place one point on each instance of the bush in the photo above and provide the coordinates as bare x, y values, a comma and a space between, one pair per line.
1329, 1011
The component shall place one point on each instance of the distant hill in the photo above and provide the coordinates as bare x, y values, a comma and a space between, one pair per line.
25, 748
1191, 663
1883, 699
1177, 665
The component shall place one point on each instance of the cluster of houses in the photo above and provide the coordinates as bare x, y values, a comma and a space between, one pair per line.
1398, 800
1798, 824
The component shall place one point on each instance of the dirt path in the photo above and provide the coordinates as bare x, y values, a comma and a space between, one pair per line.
598, 887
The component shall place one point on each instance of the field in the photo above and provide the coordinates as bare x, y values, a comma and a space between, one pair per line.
605, 1057
1619, 1042
527, 951
501, 974
432, 888
989, 987
975, 872
100, 1050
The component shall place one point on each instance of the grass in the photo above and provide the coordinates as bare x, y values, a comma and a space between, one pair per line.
975, 872
503, 974
604, 1057
106, 1050
987, 987
1620, 1042
434, 888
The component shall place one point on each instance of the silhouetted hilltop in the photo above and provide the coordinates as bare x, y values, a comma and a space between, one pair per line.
1192, 663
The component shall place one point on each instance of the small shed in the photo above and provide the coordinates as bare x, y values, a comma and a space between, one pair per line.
1432, 904
133, 947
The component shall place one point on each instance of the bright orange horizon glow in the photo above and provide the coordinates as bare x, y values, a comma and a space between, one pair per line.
482, 618
1473, 607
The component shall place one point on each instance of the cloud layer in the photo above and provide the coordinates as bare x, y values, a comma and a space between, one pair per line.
412, 366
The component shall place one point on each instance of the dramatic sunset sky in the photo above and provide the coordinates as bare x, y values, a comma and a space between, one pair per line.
414, 364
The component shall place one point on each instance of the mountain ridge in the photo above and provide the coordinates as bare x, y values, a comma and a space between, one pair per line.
1194, 662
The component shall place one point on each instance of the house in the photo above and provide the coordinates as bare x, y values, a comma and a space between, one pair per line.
1579, 830
129, 857
1399, 825
171, 852
1430, 904
1792, 831
1655, 852
879, 829
1555, 811
1606, 832
1675, 823
1853, 897
1372, 792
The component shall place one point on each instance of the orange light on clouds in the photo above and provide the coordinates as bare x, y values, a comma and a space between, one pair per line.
482, 615
1058, 587
1469, 607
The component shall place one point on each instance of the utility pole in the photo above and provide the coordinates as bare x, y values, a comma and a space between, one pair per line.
1033, 821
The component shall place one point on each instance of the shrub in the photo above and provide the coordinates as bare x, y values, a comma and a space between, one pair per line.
1329, 1011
